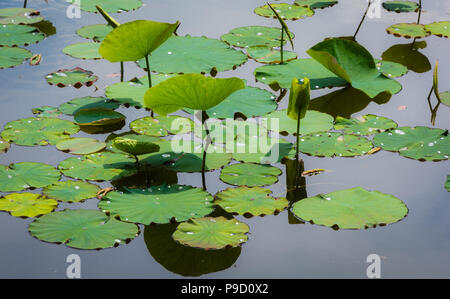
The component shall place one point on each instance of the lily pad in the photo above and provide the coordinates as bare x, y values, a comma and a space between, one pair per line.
420, 143
313, 122
447, 183
251, 36
110, 6
103, 166
158, 204
24, 175
364, 125
160, 126
391, 69
20, 16
257, 149
27, 204
97, 117
4, 146
250, 174
269, 56
82, 229
38, 131
19, 35
83, 50
76, 104
46, 111
314, 4
286, 11
11, 57
76, 77
408, 30
441, 29
80, 146
206, 55
71, 191
354, 208
96, 32
401, 6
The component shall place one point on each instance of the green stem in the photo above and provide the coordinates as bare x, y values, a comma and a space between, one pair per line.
281, 45
205, 148
138, 165
297, 151
362, 20
122, 71
149, 74
25, 4
111, 21
418, 21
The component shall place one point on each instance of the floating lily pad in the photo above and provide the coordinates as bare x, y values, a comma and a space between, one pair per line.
83, 50
206, 55
103, 166
408, 30
286, 11
445, 97
46, 111
420, 143
354, 208
97, 117
27, 204
71, 191
76, 104
158, 204
80, 146
110, 6
447, 183
4, 146
268, 55
20, 16
441, 29
364, 125
251, 36
162, 125
96, 32
19, 35
314, 4
76, 77
38, 131
250, 174
313, 122
11, 57
401, 6
24, 175
391, 69
82, 229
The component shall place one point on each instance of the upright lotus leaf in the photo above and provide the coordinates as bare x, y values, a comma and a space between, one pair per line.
46, 111
250, 174
38, 131
299, 98
192, 91
158, 204
4, 146
111, 6
24, 175
76, 77
27, 204
401, 6
160, 126
82, 229
365, 124
211, 233
13, 56
447, 183
20, 16
252, 201
354, 208
137, 145
313, 122
83, 50
268, 55
97, 117
96, 32
391, 69
71, 191
80, 146
251, 36
129, 135
76, 104
19, 35
408, 30
441, 29
420, 143
314, 4
286, 11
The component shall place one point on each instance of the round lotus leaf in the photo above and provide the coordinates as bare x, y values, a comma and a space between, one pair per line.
76, 77
354, 208
286, 11
313, 122
20, 16
249, 174
80, 146
83, 50
27, 204
206, 55
211, 233
420, 143
82, 229
76, 104
97, 117
334, 144
131, 136
11, 57
38, 131
71, 191
260, 149
314, 4
4, 146
408, 30
110, 6
24, 175
46, 111
19, 35
445, 98
401, 6
364, 125
441, 29
162, 125
251, 36
447, 183
158, 204
268, 55
281, 75
135, 145
391, 69
103, 166
96, 32
250, 201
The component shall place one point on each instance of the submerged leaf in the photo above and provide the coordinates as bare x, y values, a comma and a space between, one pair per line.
27, 204
24, 175
250, 174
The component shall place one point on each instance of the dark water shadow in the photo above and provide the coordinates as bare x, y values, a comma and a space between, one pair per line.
409, 56
157, 175
295, 186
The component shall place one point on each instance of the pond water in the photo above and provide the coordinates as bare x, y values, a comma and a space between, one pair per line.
417, 246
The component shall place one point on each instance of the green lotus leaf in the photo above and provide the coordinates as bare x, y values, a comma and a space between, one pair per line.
132, 92
158, 204
137, 145
71, 191
96, 32
254, 201
76, 104
420, 143
314, 4
130, 135
38, 131
401, 6
160, 126
250, 174
445, 97
103, 166
334, 144
260, 149
354, 208
409, 56
268, 55
286, 11
408, 30
211, 233
251, 36
80, 146
206, 55
447, 183
281, 75
364, 125
11, 57
4, 146
19, 35
76, 77
83, 50
313, 122
441, 29
82, 229
46, 111
299, 98
24, 175
192, 91
27, 204
110, 6
20, 16
97, 117
391, 69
